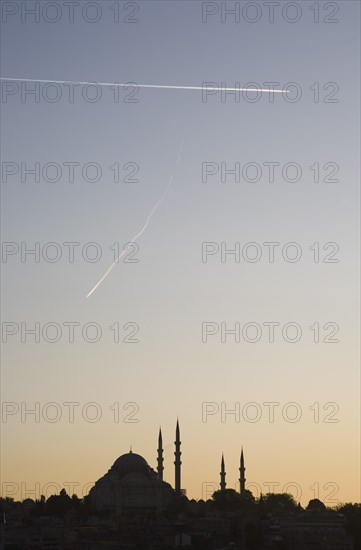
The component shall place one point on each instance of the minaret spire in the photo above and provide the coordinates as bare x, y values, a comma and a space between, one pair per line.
242, 470
223, 475
177, 462
160, 459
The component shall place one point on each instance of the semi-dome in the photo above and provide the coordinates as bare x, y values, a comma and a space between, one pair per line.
131, 463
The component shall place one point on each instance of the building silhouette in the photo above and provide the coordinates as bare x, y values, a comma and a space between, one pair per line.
131, 484
223, 483
132, 507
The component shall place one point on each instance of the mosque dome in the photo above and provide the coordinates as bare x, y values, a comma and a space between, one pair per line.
131, 485
131, 463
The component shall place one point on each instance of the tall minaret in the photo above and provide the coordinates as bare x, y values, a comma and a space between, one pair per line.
223, 475
160, 459
177, 462
242, 470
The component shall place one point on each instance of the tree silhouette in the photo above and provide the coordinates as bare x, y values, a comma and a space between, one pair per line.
316, 504
227, 501
58, 505
247, 499
279, 502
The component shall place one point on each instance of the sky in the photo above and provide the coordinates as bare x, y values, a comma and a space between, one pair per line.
154, 341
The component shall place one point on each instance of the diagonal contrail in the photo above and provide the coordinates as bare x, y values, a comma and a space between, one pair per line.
206, 86
157, 86
144, 227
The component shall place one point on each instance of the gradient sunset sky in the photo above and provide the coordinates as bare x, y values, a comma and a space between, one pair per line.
170, 292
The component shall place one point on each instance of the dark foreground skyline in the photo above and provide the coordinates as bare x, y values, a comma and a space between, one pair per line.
132, 507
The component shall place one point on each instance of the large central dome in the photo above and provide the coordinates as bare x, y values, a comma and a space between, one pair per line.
131, 485
131, 463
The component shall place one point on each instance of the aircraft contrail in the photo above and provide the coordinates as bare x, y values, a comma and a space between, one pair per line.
157, 86
205, 86
144, 227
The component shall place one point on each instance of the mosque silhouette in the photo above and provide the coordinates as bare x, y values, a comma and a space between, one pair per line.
131, 484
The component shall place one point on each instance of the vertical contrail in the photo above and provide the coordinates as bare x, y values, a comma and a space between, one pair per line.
144, 227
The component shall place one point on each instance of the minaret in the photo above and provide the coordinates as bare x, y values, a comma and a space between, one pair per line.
223, 475
242, 470
160, 459
177, 462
